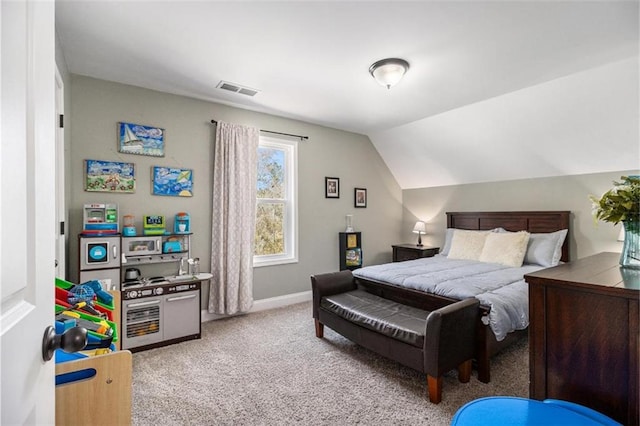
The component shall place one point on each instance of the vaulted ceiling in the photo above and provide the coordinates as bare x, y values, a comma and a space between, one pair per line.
492, 89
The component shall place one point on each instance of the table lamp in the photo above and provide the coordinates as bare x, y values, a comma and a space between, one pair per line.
420, 228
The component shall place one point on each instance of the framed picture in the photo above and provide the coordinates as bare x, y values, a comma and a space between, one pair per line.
109, 176
360, 197
353, 257
352, 241
331, 187
173, 182
141, 140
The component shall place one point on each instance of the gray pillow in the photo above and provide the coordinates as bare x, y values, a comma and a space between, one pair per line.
545, 249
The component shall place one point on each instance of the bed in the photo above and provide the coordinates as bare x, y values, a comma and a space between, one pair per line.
420, 283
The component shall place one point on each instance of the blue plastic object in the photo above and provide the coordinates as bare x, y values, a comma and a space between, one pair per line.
514, 411
80, 293
103, 296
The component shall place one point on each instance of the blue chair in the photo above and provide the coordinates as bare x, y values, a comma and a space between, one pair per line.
514, 411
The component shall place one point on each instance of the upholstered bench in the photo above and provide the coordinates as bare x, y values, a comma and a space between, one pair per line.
430, 342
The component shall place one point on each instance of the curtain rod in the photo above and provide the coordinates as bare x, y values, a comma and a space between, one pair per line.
304, 138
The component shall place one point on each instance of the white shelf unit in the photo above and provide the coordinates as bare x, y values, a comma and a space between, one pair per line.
158, 256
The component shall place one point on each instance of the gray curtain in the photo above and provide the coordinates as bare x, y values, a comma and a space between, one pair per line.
233, 221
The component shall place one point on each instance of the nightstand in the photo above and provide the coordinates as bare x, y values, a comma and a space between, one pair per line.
403, 252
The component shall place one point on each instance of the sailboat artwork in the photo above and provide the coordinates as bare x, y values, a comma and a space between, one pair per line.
141, 140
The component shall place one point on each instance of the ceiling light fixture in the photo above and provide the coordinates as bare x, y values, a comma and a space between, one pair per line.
388, 72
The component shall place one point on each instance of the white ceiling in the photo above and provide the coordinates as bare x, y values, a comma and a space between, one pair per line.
310, 60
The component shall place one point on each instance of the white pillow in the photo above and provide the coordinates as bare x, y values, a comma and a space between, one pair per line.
545, 249
447, 241
505, 248
467, 244
449, 235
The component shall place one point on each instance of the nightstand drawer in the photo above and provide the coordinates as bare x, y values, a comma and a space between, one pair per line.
402, 252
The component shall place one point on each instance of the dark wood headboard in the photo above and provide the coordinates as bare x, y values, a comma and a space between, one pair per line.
538, 222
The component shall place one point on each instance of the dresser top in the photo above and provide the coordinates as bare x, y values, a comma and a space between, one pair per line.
600, 272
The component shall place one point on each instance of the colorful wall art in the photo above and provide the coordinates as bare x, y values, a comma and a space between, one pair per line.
171, 181
109, 176
141, 140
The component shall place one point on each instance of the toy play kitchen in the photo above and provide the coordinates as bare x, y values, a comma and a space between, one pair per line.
160, 310
155, 310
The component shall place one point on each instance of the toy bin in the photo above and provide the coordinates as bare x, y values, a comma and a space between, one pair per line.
92, 334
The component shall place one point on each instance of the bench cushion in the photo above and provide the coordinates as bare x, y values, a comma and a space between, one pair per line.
401, 322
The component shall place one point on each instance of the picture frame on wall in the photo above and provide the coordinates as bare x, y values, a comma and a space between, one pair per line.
109, 176
172, 182
331, 187
360, 197
141, 140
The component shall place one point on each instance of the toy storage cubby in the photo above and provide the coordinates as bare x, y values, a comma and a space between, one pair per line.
89, 387
102, 399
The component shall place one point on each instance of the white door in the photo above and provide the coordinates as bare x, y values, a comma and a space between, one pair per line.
27, 205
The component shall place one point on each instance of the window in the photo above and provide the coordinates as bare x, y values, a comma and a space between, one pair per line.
276, 240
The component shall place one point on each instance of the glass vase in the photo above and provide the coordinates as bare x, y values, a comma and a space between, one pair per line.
630, 256
349, 221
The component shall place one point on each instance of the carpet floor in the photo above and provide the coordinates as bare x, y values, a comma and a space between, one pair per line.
268, 368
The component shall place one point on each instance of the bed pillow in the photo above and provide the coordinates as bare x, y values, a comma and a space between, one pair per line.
449, 235
507, 248
447, 241
467, 244
545, 249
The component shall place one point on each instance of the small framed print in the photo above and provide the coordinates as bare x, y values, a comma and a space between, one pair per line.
360, 197
352, 241
141, 140
109, 176
331, 187
171, 181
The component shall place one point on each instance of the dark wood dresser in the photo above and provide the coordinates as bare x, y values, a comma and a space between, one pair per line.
402, 252
583, 335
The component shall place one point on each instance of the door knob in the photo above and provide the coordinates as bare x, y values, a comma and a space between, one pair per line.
72, 340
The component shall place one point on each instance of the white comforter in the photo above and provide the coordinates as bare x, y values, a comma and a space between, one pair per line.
499, 287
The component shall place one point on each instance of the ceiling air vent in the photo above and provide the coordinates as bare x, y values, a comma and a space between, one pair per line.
232, 87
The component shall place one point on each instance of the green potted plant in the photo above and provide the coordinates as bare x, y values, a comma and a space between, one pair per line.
622, 204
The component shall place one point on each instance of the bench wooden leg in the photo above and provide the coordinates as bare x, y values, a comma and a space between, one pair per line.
464, 371
319, 329
484, 368
435, 388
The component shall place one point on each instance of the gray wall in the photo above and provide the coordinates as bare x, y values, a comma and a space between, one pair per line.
96, 106
554, 193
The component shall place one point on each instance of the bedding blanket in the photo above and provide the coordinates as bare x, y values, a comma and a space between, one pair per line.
502, 288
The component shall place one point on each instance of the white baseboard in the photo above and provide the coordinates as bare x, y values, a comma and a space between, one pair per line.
264, 304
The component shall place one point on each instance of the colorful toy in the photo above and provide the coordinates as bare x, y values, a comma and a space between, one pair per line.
103, 296
102, 336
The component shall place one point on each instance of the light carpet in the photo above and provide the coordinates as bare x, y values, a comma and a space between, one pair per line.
268, 368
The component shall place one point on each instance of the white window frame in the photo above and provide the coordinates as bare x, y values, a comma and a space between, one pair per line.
290, 148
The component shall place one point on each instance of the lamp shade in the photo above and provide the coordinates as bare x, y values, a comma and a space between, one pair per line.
420, 228
388, 72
